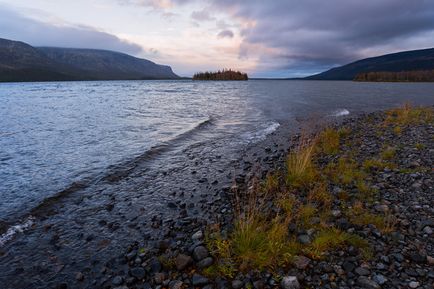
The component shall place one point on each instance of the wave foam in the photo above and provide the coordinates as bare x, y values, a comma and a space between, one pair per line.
19, 228
341, 112
261, 134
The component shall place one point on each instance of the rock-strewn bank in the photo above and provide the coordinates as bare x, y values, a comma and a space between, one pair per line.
397, 160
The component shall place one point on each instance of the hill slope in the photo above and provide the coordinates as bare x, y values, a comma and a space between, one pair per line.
396, 62
22, 62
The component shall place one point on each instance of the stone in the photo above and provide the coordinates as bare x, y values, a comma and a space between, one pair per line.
237, 284
303, 239
138, 272
200, 253
362, 271
197, 236
427, 230
155, 265
336, 213
301, 262
199, 280
418, 257
413, 284
183, 261
205, 262
348, 266
159, 278
117, 280
258, 284
79, 276
367, 283
430, 260
175, 284
290, 282
380, 279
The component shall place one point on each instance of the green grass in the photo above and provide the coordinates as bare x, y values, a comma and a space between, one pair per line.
388, 153
328, 141
300, 170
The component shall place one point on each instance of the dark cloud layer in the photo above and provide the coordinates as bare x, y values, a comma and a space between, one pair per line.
37, 33
310, 35
313, 34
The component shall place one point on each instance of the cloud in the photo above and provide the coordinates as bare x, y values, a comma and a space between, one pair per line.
39, 33
314, 34
225, 34
202, 15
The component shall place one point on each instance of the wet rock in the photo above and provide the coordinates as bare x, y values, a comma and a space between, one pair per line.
367, 283
117, 280
197, 236
205, 263
183, 261
200, 253
427, 230
138, 272
290, 282
79, 276
380, 279
199, 280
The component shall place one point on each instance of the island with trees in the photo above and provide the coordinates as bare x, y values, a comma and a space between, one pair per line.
225, 74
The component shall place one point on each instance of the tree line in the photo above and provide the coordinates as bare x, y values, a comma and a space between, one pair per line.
225, 74
402, 76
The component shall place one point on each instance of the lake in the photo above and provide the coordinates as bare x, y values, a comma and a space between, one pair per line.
54, 134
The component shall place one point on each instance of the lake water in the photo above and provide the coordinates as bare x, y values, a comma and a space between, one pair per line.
55, 134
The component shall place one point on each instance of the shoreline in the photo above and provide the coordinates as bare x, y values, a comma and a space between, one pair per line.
150, 261
188, 264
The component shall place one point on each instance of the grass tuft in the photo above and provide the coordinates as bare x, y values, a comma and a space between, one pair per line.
328, 141
300, 170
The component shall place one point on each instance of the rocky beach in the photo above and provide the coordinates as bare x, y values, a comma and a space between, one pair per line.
396, 222
362, 217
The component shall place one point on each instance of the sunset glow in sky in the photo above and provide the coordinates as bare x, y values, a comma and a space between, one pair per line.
264, 38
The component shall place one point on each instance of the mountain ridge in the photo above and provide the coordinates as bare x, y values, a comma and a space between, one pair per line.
411, 60
20, 61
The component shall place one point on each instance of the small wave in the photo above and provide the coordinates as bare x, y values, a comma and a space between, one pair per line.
13, 230
261, 134
341, 112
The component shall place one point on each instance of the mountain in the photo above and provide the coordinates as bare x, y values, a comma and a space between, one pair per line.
415, 60
21, 62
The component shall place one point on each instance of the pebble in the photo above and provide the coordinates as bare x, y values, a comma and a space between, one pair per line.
118, 280
237, 284
301, 262
200, 253
367, 283
182, 261
197, 236
79, 276
413, 284
290, 282
199, 280
303, 239
138, 272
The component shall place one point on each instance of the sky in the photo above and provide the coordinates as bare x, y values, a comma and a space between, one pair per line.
265, 38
